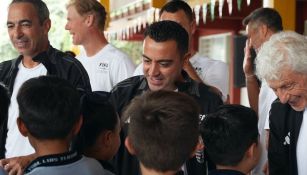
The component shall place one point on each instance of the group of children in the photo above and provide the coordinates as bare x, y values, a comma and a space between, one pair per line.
68, 134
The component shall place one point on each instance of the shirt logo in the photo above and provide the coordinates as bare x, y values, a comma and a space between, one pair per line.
287, 139
198, 70
103, 67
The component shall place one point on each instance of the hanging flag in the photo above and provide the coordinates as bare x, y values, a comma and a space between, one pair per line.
196, 11
204, 12
229, 6
221, 4
248, 2
239, 2
212, 5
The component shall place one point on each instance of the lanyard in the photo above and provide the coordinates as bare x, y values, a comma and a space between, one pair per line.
53, 160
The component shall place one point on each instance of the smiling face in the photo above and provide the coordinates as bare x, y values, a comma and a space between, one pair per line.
76, 25
162, 64
291, 88
27, 34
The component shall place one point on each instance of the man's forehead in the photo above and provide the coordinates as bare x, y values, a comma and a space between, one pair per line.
22, 9
178, 16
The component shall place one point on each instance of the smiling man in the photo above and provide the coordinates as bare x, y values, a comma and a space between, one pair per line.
201, 69
28, 25
105, 64
165, 49
282, 63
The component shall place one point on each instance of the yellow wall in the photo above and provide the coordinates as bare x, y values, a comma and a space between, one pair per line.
286, 9
157, 3
106, 5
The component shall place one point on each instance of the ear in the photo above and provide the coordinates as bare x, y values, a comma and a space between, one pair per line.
193, 27
90, 19
47, 26
199, 146
186, 57
77, 126
22, 127
129, 146
252, 152
264, 30
105, 138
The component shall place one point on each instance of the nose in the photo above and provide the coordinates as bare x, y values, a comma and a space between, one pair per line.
17, 32
282, 95
67, 26
154, 69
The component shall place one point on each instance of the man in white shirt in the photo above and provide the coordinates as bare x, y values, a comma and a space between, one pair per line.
282, 63
261, 24
209, 71
28, 25
105, 64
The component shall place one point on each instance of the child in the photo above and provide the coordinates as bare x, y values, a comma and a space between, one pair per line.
99, 135
163, 131
230, 137
49, 115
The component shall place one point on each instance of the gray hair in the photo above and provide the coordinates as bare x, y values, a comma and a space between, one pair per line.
284, 49
40, 7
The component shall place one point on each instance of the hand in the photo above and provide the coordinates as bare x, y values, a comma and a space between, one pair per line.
247, 63
16, 165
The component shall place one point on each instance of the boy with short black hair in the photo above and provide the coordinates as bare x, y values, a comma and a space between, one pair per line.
163, 131
99, 135
50, 123
231, 139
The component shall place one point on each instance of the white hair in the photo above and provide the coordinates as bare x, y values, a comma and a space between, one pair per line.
283, 50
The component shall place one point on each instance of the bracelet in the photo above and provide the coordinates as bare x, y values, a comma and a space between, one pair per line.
250, 76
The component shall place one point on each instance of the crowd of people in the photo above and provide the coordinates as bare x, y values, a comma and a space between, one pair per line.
97, 114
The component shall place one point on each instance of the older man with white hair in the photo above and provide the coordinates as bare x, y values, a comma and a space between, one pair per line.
282, 62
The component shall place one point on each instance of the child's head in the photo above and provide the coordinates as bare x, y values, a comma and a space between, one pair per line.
49, 109
99, 134
163, 130
230, 136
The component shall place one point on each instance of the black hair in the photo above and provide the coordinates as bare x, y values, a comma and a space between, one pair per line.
228, 133
40, 6
267, 16
176, 5
49, 107
163, 129
98, 116
169, 30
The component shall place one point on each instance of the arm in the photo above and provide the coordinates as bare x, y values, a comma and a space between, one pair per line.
252, 84
191, 71
193, 75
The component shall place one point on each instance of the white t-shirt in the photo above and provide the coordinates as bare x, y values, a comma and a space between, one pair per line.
301, 151
16, 144
212, 72
107, 68
266, 98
